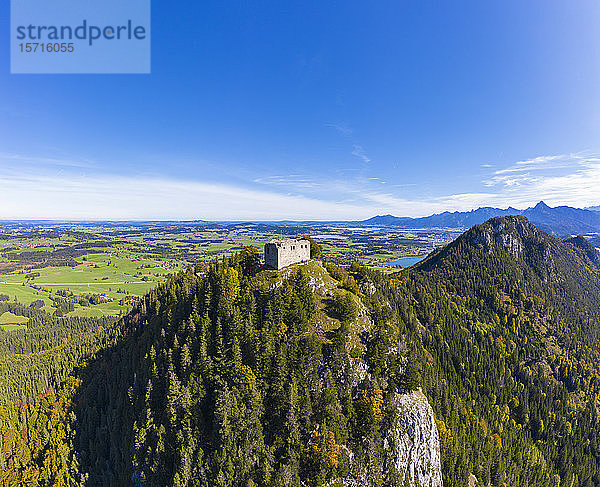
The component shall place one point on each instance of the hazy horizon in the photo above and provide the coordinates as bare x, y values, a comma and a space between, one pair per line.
252, 220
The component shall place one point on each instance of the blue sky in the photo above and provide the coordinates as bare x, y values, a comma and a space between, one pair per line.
315, 110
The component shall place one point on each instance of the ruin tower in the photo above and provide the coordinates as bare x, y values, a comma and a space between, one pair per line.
285, 252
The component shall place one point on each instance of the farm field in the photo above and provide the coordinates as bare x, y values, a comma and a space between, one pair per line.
101, 269
76, 274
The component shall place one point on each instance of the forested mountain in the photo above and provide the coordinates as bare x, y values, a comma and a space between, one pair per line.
221, 377
514, 315
309, 376
595, 241
561, 220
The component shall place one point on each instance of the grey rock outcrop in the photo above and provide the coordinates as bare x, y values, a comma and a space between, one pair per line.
412, 446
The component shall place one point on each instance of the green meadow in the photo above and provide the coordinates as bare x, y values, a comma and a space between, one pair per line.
9, 321
117, 277
100, 270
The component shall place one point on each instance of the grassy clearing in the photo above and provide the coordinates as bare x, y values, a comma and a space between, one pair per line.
23, 294
13, 327
7, 318
9, 321
105, 309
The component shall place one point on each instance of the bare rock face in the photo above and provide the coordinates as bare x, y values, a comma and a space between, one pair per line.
507, 232
412, 448
412, 445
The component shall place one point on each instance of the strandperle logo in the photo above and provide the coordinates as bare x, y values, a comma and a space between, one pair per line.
85, 31
80, 36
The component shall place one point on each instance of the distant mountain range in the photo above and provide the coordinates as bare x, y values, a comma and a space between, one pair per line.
560, 221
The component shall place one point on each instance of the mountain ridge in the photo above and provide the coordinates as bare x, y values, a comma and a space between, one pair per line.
523, 240
515, 324
559, 220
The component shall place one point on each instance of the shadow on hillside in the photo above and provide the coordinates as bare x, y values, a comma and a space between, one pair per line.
330, 308
104, 416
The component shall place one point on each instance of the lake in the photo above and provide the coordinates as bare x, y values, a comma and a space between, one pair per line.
405, 261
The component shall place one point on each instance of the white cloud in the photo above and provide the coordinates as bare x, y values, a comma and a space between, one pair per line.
123, 198
359, 152
46, 161
290, 181
538, 161
36, 193
33, 196
564, 179
544, 163
341, 127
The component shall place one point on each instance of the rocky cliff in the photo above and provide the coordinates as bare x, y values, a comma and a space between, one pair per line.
412, 447
412, 443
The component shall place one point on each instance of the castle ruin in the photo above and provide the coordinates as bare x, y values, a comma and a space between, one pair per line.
285, 252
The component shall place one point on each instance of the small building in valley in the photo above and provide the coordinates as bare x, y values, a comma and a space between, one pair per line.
285, 252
